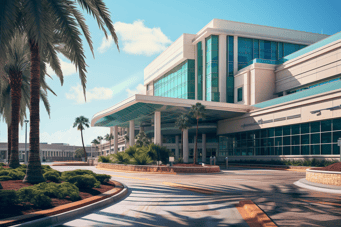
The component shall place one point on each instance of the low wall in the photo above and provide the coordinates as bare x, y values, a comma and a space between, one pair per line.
160, 169
267, 166
323, 177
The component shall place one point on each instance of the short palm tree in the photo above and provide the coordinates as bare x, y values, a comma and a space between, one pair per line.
51, 26
95, 142
198, 112
100, 138
108, 137
182, 122
82, 122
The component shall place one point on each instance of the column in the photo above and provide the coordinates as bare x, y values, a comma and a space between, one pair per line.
177, 148
203, 148
196, 72
131, 133
157, 128
235, 54
222, 67
185, 144
204, 70
115, 139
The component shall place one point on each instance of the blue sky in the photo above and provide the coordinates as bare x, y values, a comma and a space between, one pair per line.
145, 29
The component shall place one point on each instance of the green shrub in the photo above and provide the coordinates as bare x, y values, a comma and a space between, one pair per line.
158, 153
14, 174
52, 176
66, 175
141, 158
102, 178
60, 191
70, 190
4, 178
104, 159
8, 198
131, 151
32, 195
84, 181
121, 158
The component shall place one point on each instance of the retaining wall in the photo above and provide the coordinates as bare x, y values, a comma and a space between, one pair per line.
323, 177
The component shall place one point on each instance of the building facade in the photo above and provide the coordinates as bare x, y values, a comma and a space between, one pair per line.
270, 93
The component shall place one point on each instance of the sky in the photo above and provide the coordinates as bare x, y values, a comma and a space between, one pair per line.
145, 29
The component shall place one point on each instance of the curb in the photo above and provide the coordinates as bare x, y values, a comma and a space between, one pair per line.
253, 215
69, 215
315, 187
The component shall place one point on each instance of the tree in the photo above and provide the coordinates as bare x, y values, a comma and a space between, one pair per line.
79, 153
100, 138
182, 122
82, 122
198, 112
95, 142
51, 26
109, 137
142, 139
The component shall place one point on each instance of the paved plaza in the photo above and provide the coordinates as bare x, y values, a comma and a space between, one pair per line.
157, 200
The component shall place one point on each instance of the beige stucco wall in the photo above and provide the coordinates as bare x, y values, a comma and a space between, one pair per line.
316, 65
279, 114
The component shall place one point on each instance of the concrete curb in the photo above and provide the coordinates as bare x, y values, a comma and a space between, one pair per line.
302, 184
69, 215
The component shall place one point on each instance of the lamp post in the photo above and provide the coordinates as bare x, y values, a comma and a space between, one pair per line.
26, 153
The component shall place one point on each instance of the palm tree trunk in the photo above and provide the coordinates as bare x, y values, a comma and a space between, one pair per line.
15, 82
9, 142
85, 155
33, 173
196, 144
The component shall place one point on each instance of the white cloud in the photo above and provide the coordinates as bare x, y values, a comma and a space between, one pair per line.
72, 136
97, 93
140, 89
67, 68
138, 39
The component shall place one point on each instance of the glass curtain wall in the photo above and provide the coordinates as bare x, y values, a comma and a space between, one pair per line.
212, 71
178, 83
229, 71
199, 71
249, 49
314, 138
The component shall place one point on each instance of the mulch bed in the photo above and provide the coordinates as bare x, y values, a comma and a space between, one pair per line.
332, 167
29, 208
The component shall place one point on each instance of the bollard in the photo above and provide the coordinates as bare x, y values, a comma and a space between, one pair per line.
211, 160
227, 162
214, 160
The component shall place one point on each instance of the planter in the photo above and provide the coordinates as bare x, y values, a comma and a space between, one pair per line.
323, 177
160, 169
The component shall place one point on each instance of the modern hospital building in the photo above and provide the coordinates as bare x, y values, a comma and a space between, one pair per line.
270, 93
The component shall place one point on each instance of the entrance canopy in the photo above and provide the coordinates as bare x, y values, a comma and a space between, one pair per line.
141, 109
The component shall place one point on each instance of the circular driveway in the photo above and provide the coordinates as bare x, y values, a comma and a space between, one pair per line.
209, 200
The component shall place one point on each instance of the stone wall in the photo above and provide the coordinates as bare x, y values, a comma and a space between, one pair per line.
160, 169
324, 177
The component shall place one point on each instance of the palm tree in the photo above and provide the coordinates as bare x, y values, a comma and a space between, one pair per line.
95, 142
100, 138
182, 122
51, 26
197, 111
82, 122
109, 137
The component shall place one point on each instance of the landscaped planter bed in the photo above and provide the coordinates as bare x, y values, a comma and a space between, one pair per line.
178, 168
29, 208
329, 175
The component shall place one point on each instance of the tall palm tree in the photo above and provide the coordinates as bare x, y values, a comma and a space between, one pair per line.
95, 142
182, 122
109, 137
198, 112
100, 138
47, 24
82, 122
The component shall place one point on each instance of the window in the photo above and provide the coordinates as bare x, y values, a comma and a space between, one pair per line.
240, 94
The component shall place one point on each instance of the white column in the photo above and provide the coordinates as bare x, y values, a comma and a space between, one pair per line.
185, 144
131, 133
157, 128
196, 71
222, 67
235, 54
176, 148
203, 70
115, 139
203, 148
